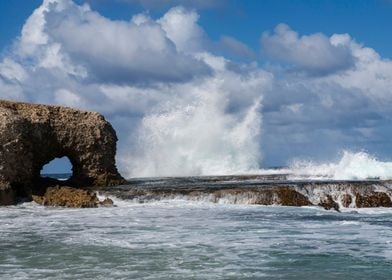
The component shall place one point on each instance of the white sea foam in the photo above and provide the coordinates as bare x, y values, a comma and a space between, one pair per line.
352, 166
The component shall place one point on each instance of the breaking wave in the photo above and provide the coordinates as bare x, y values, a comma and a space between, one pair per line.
199, 139
209, 127
352, 166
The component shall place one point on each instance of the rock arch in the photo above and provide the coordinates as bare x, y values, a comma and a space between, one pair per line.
32, 135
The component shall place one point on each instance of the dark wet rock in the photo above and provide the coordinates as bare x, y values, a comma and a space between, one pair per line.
107, 202
327, 194
33, 135
289, 197
375, 199
67, 197
346, 200
286, 196
328, 203
7, 195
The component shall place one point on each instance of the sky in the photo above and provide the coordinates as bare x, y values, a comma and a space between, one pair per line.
209, 87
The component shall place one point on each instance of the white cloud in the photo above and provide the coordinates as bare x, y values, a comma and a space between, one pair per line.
316, 54
83, 43
67, 98
181, 27
12, 71
337, 107
232, 46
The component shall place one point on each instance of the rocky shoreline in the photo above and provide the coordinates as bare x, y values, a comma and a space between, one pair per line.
31, 135
248, 190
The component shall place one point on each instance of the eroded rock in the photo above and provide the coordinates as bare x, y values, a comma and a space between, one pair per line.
67, 197
328, 203
375, 199
289, 197
33, 135
107, 202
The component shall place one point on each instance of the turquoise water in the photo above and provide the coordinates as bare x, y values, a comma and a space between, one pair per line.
179, 239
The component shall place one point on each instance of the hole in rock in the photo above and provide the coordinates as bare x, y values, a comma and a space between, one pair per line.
59, 168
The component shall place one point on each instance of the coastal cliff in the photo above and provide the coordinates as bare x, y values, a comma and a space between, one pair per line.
32, 135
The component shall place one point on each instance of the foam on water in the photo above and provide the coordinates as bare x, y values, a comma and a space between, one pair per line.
183, 239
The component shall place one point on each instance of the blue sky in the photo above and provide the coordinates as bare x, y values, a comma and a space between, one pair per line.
198, 87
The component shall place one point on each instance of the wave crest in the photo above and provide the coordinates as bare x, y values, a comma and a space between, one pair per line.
352, 166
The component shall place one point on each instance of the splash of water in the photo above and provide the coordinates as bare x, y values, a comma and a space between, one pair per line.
352, 166
199, 139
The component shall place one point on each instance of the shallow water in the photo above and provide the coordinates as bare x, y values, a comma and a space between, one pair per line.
194, 240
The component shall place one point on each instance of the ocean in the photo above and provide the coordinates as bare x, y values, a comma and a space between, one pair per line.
179, 238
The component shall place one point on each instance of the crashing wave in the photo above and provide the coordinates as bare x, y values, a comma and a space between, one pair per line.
352, 166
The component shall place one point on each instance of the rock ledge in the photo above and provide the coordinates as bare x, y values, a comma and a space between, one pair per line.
70, 197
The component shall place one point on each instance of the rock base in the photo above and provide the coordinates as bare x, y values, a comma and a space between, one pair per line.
331, 195
7, 196
70, 197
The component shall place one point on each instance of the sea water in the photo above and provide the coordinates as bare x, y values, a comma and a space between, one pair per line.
181, 239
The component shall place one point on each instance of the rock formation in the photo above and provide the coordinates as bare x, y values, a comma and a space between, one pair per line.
261, 190
33, 135
67, 197
64, 196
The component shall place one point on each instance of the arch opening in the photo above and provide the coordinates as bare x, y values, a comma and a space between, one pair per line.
58, 168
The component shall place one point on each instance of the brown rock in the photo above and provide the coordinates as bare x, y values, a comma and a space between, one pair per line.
346, 200
290, 197
106, 202
33, 135
328, 203
285, 196
375, 199
67, 197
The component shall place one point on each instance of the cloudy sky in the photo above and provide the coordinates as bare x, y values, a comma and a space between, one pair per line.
207, 87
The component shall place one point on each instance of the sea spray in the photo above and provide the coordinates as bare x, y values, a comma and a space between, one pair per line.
352, 166
210, 128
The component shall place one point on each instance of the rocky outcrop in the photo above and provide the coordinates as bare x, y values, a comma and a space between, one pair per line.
328, 203
33, 135
331, 195
375, 199
67, 197
64, 196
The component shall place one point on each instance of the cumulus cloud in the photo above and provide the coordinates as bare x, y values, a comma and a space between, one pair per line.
64, 35
234, 47
319, 115
315, 54
181, 27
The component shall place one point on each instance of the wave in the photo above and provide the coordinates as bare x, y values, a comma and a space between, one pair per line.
351, 166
